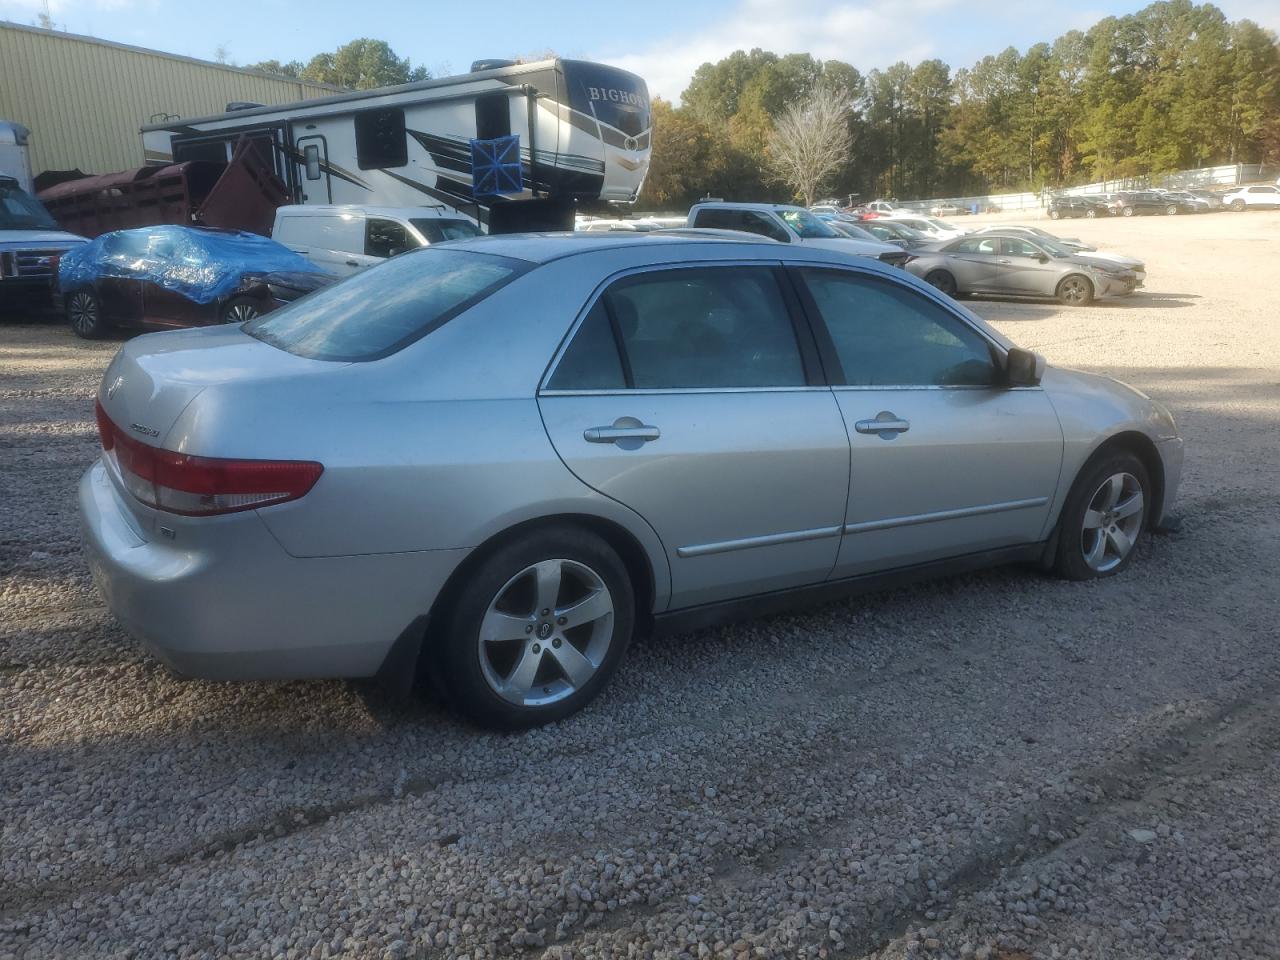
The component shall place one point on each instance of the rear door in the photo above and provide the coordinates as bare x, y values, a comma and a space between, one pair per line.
693, 396
944, 460
975, 261
334, 242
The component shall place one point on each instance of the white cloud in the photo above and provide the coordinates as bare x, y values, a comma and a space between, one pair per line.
863, 33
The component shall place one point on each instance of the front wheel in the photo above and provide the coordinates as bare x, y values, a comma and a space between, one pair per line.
1103, 518
943, 281
1091, 214
84, 313
1171, 209
1075, 291
538, 629
1128, 211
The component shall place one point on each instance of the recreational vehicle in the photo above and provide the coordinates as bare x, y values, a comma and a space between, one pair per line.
511, 146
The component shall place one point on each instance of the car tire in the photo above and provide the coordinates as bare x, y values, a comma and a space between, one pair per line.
1238, 205
1093, 539
1091, 214
1171, 210
1054, 214
942, 280
1075, 290
241, 310
1128, 211
546, 668
84, 313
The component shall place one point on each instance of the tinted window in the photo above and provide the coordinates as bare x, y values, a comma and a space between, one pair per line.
748, 220
975, 245
886, 334
380, 139
612, 96
705, 327
438, 231
380, 310
807, 225
386, 238
21, 211
591, 361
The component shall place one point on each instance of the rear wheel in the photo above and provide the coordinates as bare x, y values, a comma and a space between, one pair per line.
1237, 205
1053, 214
942, 280
1103, 517
538, 629
84, 313
1128, 211
241, 309
1171, 209
1091, 213
1075, 290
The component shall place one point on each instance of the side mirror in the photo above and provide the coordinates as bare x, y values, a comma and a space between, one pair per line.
1023, 368
311, 158
1043, 258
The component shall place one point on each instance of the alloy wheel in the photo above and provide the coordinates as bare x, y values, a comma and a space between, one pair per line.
1075, 290
83, 310
1091, 214
241, 312
546, 633
1171, 209
1112, 522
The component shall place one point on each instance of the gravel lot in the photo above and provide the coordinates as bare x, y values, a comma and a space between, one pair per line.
996, 766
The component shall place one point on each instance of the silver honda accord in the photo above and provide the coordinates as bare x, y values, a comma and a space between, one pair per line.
491, 463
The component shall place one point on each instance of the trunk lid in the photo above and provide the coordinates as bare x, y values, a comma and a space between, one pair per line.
154, 378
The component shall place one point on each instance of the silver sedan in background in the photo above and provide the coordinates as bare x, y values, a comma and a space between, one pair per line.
1020, 266
493, 462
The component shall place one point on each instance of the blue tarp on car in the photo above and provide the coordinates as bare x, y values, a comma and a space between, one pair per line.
201, 265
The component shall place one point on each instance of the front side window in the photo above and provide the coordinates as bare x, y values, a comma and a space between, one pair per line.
1012, 247
807, 226
886, 334
386, 238
385, 308
696, 328
438, 231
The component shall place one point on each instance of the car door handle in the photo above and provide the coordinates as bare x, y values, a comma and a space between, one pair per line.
882, 424
351, 263
1004, 261
621, 431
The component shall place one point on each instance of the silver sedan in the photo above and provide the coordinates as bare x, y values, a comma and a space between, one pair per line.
491, 463
1021, 266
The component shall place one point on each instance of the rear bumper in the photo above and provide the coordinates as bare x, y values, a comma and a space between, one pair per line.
219, 598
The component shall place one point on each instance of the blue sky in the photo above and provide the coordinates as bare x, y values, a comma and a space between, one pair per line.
662, 40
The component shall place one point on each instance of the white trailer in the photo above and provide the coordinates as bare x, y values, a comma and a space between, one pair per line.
15, 162
568, 130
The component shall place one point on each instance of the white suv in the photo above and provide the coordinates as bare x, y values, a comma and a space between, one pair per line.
1260, 196
343, 239
789, 224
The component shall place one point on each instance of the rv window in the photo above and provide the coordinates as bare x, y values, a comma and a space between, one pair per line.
380, 139
311, 155
493, 116
215, 150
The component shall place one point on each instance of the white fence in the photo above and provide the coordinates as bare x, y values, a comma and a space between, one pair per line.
1231, 175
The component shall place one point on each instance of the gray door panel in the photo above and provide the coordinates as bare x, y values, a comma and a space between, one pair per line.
976, 469
770, 467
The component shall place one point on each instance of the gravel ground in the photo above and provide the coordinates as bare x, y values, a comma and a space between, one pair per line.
999, 766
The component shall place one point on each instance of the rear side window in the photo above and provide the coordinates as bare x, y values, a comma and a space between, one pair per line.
693, 328
886, 334
747, 220
385, 308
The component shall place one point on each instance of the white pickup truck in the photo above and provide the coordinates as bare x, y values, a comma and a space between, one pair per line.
30, 245
789, 224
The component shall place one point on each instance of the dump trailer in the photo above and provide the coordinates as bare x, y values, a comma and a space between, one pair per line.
241, 194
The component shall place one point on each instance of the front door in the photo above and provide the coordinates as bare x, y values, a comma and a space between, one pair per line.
944, 459
1027, 270
692, 396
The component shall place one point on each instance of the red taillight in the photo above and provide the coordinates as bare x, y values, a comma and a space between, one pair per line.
203, 486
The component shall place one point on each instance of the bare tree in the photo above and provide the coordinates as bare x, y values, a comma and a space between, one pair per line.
810, 141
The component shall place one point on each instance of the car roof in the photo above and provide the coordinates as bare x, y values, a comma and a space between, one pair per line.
735, 205
665, 246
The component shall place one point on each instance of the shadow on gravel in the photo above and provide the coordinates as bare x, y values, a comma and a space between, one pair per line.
1035, 310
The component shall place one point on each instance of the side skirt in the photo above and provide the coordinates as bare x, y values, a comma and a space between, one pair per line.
780, 601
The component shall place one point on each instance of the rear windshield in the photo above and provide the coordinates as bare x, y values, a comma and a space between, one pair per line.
438, 231
383, 309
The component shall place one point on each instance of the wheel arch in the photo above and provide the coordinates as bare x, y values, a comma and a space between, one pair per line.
405, 663
1144, 448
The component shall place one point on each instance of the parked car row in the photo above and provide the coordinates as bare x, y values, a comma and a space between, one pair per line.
1165, 202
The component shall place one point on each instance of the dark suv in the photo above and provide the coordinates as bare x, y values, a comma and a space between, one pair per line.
1064, 207
1138, 201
